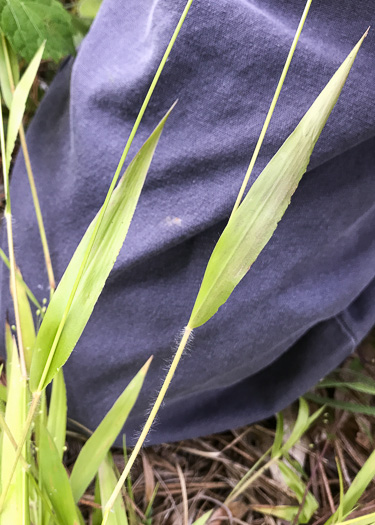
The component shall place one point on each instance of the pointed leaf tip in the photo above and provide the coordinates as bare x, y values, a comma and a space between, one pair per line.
146, 366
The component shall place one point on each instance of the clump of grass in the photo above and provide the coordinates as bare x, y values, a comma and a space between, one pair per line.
35, 486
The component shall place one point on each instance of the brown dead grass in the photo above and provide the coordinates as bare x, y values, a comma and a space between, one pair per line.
194, 476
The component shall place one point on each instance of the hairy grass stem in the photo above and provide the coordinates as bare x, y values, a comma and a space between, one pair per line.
271, 109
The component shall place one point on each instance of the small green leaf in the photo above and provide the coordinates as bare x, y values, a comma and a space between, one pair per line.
254, 222
18, 105
97, 446
28, 23
108, 242
107, 483
355, 408
56, 482
57, 413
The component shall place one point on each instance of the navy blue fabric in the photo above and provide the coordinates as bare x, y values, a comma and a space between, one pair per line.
309, 298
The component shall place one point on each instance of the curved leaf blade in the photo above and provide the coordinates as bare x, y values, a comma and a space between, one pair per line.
254, 222
97, 446
109, 240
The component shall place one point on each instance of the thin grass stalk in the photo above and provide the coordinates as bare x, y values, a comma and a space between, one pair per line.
38, 213
110, 191
271, 109
29, 293
148, 424
12, 260
9, 435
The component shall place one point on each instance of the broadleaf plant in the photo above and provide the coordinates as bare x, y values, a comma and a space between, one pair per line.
28, 23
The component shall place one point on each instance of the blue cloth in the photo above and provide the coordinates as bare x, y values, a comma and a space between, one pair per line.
307, 301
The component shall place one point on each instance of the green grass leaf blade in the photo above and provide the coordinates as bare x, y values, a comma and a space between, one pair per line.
284, 512
108, 242
56, 424
96, 447
203, 519
56, 482
355, 408
295, 483
16, 506
356, 489
18, 105
254, 222
107, 483
6, 88
26, 319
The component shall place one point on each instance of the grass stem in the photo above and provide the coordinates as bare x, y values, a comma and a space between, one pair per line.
31, 178
271, 109
148, 424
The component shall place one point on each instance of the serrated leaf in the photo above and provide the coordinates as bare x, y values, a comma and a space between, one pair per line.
253, 223
28, 23
96, 447
108, 242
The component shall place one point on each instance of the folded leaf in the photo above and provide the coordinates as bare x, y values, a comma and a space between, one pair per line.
108, 242
254, 222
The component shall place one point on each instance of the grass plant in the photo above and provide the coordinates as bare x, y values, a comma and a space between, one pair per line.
35, 485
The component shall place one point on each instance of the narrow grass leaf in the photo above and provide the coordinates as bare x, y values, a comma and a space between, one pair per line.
279, 435
18, 105
304, 497
203, 519
26, 319
6, 88
254, 222
108, 242
56, 482
356, 489
284, 512
107, 484
368, 519
303, 423
96, 447
56, 424
96, 516
16, 507
343, 405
